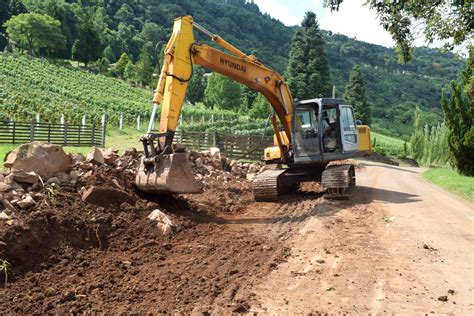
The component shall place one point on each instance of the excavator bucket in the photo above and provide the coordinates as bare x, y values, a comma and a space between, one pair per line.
172, 175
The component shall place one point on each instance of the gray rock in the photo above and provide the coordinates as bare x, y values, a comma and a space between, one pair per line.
27, 202
62, 177
73, 175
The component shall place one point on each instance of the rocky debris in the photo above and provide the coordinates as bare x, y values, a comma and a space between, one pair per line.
103, 179
24, 177
26, 203
163, 221
213, 164
443, 298
428, 247
62, 177
4, 216
109, 155
53, 180
4, 187
76, 158
95, 156
42, 158
106, 196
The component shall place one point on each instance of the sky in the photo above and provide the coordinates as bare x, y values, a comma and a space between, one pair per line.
353, 18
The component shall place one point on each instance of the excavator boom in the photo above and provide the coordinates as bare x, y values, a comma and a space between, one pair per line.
164, 171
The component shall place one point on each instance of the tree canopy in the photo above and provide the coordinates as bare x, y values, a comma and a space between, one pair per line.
36, 31
222, 93
445, 20
87, 46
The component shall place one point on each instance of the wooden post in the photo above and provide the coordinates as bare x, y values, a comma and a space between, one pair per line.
14, 132
32, 131
65, 134
79, 134
93, 134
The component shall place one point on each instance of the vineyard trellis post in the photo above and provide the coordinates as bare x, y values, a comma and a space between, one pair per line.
62, 122
138, 122
83, 123
121, 121
103, 123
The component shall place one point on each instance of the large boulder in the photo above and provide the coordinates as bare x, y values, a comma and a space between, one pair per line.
44, 159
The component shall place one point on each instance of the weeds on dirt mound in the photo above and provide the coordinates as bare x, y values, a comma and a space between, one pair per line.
5, 269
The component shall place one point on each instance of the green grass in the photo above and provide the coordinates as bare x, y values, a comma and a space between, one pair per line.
389, 146
452, 181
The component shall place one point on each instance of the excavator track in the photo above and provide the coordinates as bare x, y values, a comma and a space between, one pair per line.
339, 182
266, 186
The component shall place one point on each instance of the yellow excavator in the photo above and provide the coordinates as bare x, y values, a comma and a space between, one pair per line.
309, 134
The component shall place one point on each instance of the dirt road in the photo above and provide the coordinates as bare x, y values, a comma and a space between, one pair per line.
399, 246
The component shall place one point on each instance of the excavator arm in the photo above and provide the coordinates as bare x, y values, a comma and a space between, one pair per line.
160, 172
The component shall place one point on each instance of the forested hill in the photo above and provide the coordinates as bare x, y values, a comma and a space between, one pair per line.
130, 25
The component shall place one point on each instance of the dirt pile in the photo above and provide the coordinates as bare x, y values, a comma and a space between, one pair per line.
82, 239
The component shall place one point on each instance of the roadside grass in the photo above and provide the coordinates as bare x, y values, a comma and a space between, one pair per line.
450, 180
389, 146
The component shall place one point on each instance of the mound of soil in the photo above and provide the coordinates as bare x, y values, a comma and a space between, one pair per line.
68, 255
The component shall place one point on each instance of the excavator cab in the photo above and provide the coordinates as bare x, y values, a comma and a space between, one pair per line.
324, 129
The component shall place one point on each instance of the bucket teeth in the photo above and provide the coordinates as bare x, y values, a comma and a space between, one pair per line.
172, 175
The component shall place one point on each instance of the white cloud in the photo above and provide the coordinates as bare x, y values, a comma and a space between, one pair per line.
290, 12
356, 20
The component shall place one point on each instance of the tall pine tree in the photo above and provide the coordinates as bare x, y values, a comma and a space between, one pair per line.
459, 118
355, 95
308, 69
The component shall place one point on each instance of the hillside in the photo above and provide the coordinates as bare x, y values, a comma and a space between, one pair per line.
54, 89
393, 90
30, 85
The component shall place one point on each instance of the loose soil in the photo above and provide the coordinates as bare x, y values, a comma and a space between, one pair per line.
228, 253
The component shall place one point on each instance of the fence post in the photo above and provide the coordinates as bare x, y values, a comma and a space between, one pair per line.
121, 121
79, 132
138, 123
14, 131
49, 133
103, 134
62, 123
93, 134
83, 123
32, 131
65, 134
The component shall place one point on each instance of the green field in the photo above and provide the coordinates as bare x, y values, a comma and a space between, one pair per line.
389, 146
452, 181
